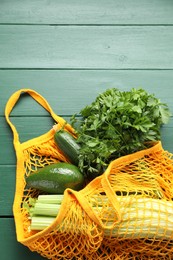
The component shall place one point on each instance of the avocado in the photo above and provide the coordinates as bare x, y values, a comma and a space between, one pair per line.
56, 177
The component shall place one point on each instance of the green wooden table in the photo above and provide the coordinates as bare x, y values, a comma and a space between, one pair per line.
70, 51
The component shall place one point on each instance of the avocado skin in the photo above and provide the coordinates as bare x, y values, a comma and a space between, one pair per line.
55, 178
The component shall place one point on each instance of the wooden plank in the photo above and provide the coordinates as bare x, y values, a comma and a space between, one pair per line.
7, 191
87, 12
167, 137
148, 49
28, 128
68, 91
98, 47
10, 248
31, 127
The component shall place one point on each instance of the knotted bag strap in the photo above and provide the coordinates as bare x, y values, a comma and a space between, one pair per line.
35, 95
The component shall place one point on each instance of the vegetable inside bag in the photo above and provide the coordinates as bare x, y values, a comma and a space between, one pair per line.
125, 213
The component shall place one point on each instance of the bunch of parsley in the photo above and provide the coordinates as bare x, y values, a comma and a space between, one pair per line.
117, 123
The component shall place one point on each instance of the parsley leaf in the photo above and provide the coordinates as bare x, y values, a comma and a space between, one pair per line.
115, 124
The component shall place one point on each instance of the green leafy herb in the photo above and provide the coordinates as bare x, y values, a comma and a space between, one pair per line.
117, 123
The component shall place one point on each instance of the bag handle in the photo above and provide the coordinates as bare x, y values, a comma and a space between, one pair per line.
35, 95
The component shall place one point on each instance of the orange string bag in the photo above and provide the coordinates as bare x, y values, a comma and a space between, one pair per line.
126, 213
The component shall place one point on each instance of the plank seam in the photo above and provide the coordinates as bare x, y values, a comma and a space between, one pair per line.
87, 69
87, 25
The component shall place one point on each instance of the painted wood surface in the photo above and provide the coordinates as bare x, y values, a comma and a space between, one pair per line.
82, 47
86, 12
68, 91
70, 51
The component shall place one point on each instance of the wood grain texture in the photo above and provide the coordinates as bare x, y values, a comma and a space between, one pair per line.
86, 12
10, 248
103, 47
68, 91
7, 191
70, 51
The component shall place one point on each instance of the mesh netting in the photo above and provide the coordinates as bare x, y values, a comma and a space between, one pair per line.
126, 213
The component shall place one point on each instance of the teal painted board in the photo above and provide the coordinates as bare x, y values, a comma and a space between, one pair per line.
167, 136
7, 188
87, 12
10, 249
70, 51
68, 91
7, 154
27, 128
94, 47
